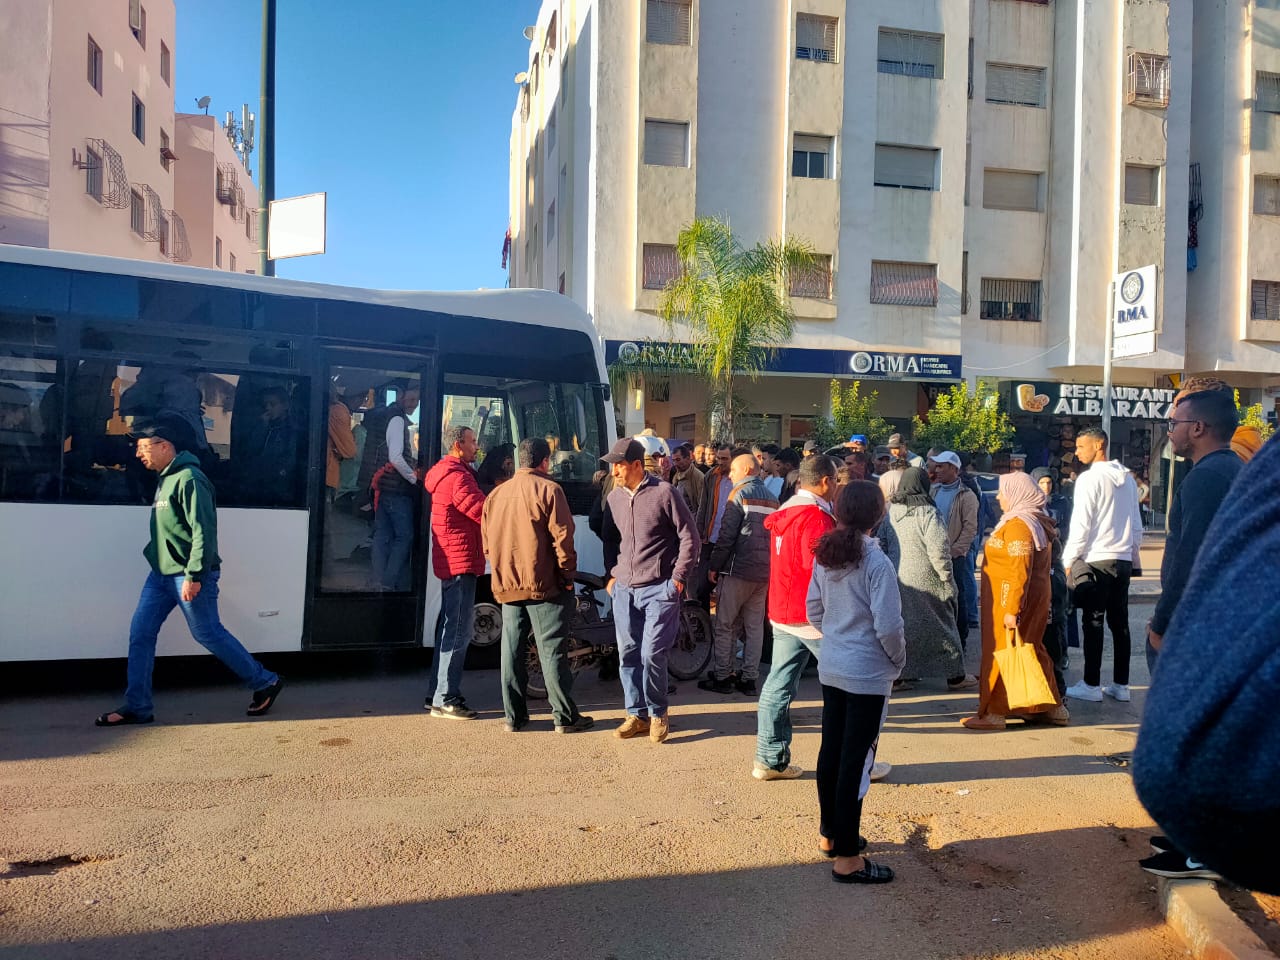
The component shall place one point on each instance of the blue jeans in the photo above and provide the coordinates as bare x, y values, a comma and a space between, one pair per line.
773, 713
393, 542
970, 591
453, 635
160, 594
646, 620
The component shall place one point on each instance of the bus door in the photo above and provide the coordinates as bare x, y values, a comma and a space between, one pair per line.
369, 547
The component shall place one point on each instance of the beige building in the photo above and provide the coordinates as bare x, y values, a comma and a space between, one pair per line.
92, 154
973, 173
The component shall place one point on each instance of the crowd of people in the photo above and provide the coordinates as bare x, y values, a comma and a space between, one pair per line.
860, 558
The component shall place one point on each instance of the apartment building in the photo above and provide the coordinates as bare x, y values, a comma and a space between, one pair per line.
93, 157
972, 175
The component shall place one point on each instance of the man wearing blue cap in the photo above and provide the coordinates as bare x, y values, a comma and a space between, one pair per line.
858, 443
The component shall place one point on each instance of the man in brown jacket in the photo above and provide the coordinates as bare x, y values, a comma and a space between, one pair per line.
528, 539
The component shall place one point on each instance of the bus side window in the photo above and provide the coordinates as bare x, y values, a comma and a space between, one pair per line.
29, 428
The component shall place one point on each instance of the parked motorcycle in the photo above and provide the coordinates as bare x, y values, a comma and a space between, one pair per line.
592, 639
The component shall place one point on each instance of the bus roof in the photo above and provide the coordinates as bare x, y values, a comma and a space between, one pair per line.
524, 305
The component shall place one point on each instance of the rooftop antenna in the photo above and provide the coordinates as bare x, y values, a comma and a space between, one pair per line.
203, 104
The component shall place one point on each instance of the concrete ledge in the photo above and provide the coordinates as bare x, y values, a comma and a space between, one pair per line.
1210, 928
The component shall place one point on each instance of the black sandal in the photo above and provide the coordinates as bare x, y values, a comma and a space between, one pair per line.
871, 872
126, 716
264, 699
831, 854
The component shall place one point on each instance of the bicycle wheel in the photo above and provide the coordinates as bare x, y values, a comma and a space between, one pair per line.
691, 652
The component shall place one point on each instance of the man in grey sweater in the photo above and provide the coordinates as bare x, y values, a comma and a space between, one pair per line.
740, 566
658, 547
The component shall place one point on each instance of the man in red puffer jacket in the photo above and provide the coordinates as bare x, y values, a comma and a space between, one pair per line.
793, 529
457, 558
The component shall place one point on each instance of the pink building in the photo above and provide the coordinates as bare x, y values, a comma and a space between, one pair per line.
215, 196
92, 156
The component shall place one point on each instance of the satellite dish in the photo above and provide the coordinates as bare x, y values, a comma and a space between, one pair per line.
203, 104
522, 77
530, 32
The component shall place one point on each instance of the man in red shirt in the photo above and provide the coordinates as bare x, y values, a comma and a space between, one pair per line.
457, 558
793, 529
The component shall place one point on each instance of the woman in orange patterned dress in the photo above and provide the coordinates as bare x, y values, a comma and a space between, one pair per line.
1015, 594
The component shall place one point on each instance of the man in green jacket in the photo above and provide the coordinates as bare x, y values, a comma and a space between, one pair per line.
183, 554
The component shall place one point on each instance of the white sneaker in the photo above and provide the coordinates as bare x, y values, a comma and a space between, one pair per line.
880, 769
1082, 691
1119, 691
762, 772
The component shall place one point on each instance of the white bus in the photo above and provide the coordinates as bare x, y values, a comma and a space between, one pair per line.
257, 365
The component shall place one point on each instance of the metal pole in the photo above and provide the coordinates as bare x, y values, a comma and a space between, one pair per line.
1106, 364
267, 133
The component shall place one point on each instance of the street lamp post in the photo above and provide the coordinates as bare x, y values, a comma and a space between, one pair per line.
267, 133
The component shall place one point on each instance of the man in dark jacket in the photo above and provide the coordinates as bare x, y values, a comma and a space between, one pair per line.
457, 558
1200, 430
740, 566
397, 495
528, 538
1208, 755
710, 514
658, 547
183, 554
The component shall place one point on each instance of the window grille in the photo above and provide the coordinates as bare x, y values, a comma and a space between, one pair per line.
911, 168
661, 265
1010, 300
813, 280
1148, 79
93, 173
666, 144
816, 38
152, 219
910, 54
1266, 300
179, 244
115, 184
1141, 185
162, 234
1267, 96
669, 21
904, 284
1010, 190
811, 157
1022, 86
1266, 196
137, 213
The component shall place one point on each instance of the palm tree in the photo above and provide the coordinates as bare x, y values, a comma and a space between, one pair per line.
733, 304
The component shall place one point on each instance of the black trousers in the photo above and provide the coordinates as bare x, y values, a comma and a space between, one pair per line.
850, 730
1103, 594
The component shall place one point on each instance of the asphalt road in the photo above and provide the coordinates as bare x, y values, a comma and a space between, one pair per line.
350, 824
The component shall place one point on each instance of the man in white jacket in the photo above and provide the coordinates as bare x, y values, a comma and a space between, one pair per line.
1100, 557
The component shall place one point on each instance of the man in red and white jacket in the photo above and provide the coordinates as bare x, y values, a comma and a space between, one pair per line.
794, 529
457, 558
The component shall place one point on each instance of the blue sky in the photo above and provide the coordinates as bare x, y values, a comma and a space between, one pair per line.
404, 118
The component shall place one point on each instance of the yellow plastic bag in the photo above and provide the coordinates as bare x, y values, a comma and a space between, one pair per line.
1025, 685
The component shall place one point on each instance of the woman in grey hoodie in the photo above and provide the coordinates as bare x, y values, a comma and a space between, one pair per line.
854, 602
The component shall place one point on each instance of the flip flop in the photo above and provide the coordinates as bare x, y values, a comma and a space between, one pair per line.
871, 872
126, 716
264, 699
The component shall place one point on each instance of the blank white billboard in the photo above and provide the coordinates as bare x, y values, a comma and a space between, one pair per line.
296, 227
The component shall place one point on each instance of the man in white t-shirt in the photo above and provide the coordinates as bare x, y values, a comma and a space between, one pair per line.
1100, 557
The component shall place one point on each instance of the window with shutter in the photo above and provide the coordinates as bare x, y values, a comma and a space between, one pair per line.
812, 281
811, 157
1266, 300
1010, 190
1141, 185
551, 222
1010, 300
137, 213
910, 168
1023, 86
1266, 196
661, 265
95, 66
93, 173
816, 37
904, 284
666, 144
669, 21
910, 54
1148, 79
1267, 96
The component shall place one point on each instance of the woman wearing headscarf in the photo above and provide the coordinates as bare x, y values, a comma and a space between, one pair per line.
922, 557
1016, 595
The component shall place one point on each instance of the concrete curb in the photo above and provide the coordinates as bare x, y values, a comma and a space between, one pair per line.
1210, 928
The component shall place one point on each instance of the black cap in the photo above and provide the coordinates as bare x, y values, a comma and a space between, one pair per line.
165, 426
895, 441
625, 451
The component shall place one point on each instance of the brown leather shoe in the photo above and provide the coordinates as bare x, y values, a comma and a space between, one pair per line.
633, 726
659, 727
